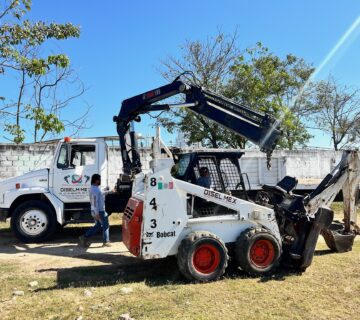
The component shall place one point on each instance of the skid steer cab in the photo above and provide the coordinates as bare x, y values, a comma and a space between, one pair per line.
41, 201
222, 171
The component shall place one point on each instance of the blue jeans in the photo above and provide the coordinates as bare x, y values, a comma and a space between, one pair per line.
103, 224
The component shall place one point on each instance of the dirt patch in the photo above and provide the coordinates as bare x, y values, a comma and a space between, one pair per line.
63, 250
63, 259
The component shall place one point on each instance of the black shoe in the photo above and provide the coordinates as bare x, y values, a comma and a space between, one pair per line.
83, 242
107, 244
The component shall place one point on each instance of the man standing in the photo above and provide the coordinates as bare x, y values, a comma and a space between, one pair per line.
98, 212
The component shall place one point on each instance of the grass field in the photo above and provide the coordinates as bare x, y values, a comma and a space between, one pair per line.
93, 288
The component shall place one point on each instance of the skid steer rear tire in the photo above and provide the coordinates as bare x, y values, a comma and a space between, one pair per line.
202, 257
257, 251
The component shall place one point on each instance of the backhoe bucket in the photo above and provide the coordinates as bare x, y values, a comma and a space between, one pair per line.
336, 239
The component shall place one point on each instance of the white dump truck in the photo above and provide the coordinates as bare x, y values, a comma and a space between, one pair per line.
40, 201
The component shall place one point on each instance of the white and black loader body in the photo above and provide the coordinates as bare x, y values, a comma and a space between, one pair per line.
168, 215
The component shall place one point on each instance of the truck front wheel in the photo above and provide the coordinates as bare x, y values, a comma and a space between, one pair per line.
33, 221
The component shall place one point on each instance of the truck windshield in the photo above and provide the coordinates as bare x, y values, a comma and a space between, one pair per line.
82, 155
71, 156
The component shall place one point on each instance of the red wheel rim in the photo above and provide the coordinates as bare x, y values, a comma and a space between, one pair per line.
206, 258
262, 253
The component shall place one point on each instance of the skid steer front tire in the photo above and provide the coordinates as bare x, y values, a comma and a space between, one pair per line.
202, 257
257, 251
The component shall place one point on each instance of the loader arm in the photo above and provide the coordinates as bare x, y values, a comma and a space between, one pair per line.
261, 129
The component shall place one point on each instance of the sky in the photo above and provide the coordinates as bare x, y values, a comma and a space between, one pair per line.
122, 42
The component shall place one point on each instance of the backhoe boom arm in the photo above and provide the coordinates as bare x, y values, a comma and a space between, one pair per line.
261, 129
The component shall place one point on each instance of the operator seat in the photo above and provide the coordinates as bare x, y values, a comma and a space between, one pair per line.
285, 185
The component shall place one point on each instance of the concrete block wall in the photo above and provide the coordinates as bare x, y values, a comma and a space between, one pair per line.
304, 164
115, 163
19, 159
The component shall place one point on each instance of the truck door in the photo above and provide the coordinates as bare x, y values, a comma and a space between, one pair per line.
73, 169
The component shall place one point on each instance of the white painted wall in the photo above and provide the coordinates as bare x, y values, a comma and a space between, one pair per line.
308, 166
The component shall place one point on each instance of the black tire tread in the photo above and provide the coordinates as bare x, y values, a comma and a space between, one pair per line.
185, 247
241, 252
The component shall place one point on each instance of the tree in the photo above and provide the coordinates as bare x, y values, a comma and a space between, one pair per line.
41, 78
255, 78
48, 90
209, 63
277, 86
338, 112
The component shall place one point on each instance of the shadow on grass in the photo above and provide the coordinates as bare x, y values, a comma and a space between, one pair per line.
66, 234
152, 272
280, 274
70, 234
65, 244
64, 239
324, 252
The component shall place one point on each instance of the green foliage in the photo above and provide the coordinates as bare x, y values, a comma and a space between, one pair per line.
15, 8
268, 83
48, 123
209, 62
198, 129
255, 78
21, 44
41, 66
17, 40
15, 131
